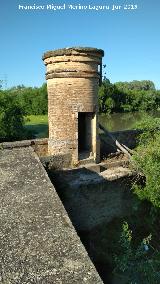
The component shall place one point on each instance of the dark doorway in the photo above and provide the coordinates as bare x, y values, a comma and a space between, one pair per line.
85, 132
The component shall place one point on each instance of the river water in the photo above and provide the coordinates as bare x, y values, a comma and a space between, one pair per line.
112, 122
123, 121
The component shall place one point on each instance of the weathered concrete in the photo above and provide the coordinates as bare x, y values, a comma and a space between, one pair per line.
73, 76
38, 243
92, 197
40, 146
128, 138
73, 51
96, 197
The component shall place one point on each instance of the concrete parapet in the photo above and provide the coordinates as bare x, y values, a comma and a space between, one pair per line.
38, 243
40, 146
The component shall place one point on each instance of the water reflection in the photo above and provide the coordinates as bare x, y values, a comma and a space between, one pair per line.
122, 121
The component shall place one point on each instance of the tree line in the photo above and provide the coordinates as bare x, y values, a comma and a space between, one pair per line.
20, 101
30, 100
128, 96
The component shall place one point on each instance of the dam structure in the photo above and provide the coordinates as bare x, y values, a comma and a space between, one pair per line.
73, 77
58, 199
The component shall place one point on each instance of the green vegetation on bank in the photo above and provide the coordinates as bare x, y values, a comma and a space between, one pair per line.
33, 101
11, 119
146, 160
18, 107
137, 258
137, 262
131, 243
128, 96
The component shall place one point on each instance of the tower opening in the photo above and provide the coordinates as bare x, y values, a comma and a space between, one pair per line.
85, 134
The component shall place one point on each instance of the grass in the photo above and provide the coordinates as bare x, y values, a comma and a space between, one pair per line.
36, 119
38, 125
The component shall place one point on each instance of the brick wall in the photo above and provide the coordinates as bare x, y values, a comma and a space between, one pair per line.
72, 81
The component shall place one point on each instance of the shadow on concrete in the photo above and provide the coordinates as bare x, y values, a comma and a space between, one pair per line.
93, 203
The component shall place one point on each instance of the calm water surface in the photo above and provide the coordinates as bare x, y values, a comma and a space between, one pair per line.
113, 122
123, 121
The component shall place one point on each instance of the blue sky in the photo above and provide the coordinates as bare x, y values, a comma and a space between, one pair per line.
130, 38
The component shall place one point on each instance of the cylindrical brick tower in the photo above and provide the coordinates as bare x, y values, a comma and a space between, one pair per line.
73, 76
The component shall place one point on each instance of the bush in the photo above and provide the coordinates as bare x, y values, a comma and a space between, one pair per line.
146, 160
11, 119
137, 265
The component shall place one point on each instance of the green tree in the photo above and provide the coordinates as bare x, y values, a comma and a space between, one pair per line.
145, 85
128, 96
11, 119
32, 100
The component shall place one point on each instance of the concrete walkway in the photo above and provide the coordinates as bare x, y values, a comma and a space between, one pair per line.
38, 243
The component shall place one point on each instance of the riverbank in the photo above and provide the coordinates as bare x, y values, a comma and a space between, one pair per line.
38, 124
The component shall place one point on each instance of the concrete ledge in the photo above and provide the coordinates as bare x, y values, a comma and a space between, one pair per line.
38, 243
40, 146
92, 198
24, 143
128, 138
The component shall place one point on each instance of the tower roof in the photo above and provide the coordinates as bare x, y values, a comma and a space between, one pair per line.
74, 50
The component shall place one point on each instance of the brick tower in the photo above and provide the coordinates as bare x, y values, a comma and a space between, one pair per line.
73, 76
